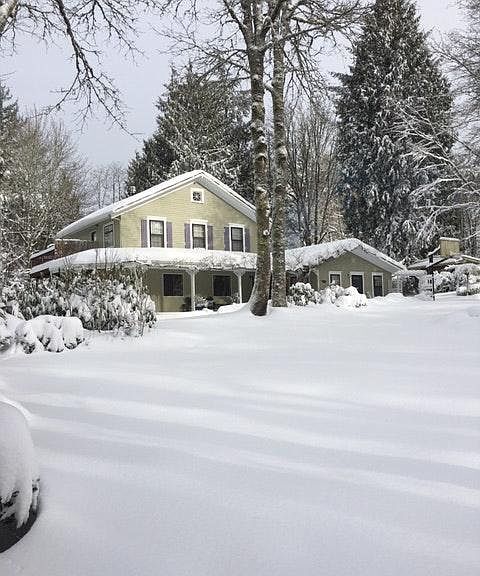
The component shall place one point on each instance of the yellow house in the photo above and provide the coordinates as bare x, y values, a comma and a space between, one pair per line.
195, 240
194, 235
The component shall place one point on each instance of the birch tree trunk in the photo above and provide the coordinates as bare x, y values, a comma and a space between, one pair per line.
279, 295
7, 9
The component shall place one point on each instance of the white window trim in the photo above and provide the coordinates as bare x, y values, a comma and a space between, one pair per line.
232, 225
203, 223
383, 283
334, 272
113, 234
202, 192
157, 219
362, 274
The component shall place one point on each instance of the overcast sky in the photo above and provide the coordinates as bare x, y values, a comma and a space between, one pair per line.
34, 72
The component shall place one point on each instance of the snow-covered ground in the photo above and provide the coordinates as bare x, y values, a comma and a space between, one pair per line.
316, 441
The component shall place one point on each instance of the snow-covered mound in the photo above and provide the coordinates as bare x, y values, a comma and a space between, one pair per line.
19, 478
51, 333
351, 298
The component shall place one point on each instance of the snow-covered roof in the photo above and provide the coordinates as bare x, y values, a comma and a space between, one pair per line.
454, 259
173, 258
199, 176
307, 256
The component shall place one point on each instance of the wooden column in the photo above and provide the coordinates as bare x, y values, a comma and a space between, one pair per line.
239, 274
192, 289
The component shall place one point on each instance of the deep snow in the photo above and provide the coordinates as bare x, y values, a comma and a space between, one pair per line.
316, 441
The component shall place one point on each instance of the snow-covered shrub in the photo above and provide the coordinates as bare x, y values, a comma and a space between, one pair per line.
467, 278
118, 302
351, 298
330, 294
19, 477
444, 281
302, 294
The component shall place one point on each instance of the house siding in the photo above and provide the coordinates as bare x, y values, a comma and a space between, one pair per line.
178, 209
347, 263
86, 233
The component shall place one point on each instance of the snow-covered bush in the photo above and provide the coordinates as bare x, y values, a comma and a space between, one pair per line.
19, 477
51, 333
444, 281
117, 302
467, 278
351, 298
301, 294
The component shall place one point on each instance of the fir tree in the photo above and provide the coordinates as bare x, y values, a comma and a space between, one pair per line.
201, 124
393, 102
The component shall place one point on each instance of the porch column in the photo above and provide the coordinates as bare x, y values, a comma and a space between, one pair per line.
192, 289
239, 274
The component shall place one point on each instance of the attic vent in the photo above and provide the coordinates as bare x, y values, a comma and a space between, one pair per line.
197, 196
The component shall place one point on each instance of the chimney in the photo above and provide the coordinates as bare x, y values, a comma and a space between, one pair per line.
449, 246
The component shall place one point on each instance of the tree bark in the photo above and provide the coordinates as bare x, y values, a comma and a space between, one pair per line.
7, 9
279, 295
261, 288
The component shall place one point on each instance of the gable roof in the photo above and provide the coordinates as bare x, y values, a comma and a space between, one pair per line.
199, 176
297, 258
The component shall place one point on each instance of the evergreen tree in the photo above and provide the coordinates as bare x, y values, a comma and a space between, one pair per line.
393, 103
201, 124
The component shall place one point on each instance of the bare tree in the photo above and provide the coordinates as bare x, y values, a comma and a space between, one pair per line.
251, 36
43, 193
314, 208
105, 185
86, 26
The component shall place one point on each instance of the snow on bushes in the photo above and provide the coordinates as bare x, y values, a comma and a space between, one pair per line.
467, 278
19, 477
119, 302
51, 333
301, 294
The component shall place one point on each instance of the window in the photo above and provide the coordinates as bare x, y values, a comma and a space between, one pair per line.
93, 236
236, 239
197, 196
222, 286
335, 278
199, 236
172, 285
157, 233
356, 279
108, 235
377, 281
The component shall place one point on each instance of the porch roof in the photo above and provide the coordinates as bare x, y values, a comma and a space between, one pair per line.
174, 258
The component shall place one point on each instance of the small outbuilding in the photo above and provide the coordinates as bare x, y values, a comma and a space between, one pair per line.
348, 262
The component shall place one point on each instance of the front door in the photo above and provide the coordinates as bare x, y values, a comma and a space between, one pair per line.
377, 284
357, 282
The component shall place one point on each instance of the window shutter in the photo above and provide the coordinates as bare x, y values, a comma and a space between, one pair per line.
247, 239
144, 233
169, 235
226, 238
187, 234
210, 237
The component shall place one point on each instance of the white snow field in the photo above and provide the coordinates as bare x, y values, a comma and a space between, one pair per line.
316, 441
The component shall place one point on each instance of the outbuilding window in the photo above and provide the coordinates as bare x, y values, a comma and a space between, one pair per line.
377, 281
335, 278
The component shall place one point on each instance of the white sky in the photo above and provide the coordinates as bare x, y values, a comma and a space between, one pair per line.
34, 72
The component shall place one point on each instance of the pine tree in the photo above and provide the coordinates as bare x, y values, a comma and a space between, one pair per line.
393, 102
201, 124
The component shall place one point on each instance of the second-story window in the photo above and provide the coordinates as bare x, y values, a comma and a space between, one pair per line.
157, 234
236, 239
108, 235
199, 236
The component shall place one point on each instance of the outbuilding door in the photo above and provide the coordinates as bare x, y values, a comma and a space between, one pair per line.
357, 282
